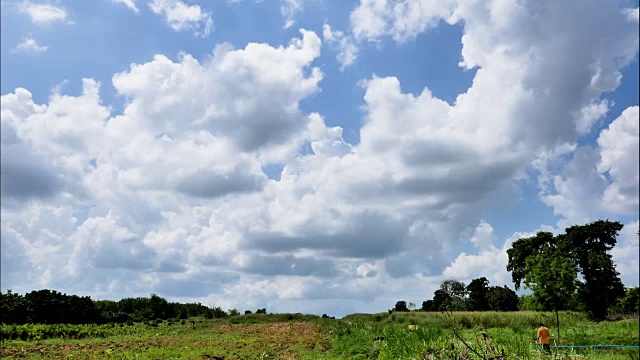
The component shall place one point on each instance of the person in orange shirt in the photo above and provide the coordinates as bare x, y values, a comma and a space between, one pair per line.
543, 338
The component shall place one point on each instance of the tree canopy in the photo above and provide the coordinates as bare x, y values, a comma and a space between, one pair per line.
546, 262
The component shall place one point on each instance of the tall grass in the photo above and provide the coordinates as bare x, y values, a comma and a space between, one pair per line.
459, 335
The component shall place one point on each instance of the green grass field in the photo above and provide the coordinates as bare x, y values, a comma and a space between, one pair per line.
358, 336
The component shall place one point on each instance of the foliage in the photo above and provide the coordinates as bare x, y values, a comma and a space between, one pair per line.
502, 299
453, 295
401, 306
586, 249
630, 303
588, 246
13, 308
528, 303
457, 292
52, 307
552, 279
477, 291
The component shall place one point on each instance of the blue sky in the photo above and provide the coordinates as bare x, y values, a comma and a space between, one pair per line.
308, 155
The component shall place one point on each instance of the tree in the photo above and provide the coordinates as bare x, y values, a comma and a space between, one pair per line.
477, 291
630, 303
46, 307
552, 278
457, 292
521, 249
401, 306
585, 247
427, 305
160, 308
441, 301
454, 288
13, 308
502, 299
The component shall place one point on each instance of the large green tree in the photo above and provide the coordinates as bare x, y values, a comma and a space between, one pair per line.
456, 292
477, 290
586, 248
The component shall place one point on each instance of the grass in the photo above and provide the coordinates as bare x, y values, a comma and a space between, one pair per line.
358, 336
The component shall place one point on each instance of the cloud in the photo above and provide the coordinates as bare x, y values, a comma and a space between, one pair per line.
403, 20
43, 14
347, 50
633, 14
619, 159
625, 254
180, 16
598, 181
131, 4
289, 8
29, 45
25, 173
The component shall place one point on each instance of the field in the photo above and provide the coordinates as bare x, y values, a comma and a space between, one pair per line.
295, 336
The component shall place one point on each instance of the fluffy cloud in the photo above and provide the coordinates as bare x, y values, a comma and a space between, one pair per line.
347, 50
43, 14
596, 181
619, 159
181, 16
289, 9
402, 20
625, 254
29, 45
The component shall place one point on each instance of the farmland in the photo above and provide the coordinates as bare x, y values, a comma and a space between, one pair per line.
295, 336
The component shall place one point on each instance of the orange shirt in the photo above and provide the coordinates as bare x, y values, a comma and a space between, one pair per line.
543, 335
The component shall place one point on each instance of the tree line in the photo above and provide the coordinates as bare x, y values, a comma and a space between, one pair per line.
454, 295
53, 307
569, 271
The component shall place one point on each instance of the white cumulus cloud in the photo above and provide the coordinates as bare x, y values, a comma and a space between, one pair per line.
347, 49
43, 14
181, 16
289, 8
29, 45
619, 158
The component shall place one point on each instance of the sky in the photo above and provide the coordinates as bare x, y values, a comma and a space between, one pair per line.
313, 156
